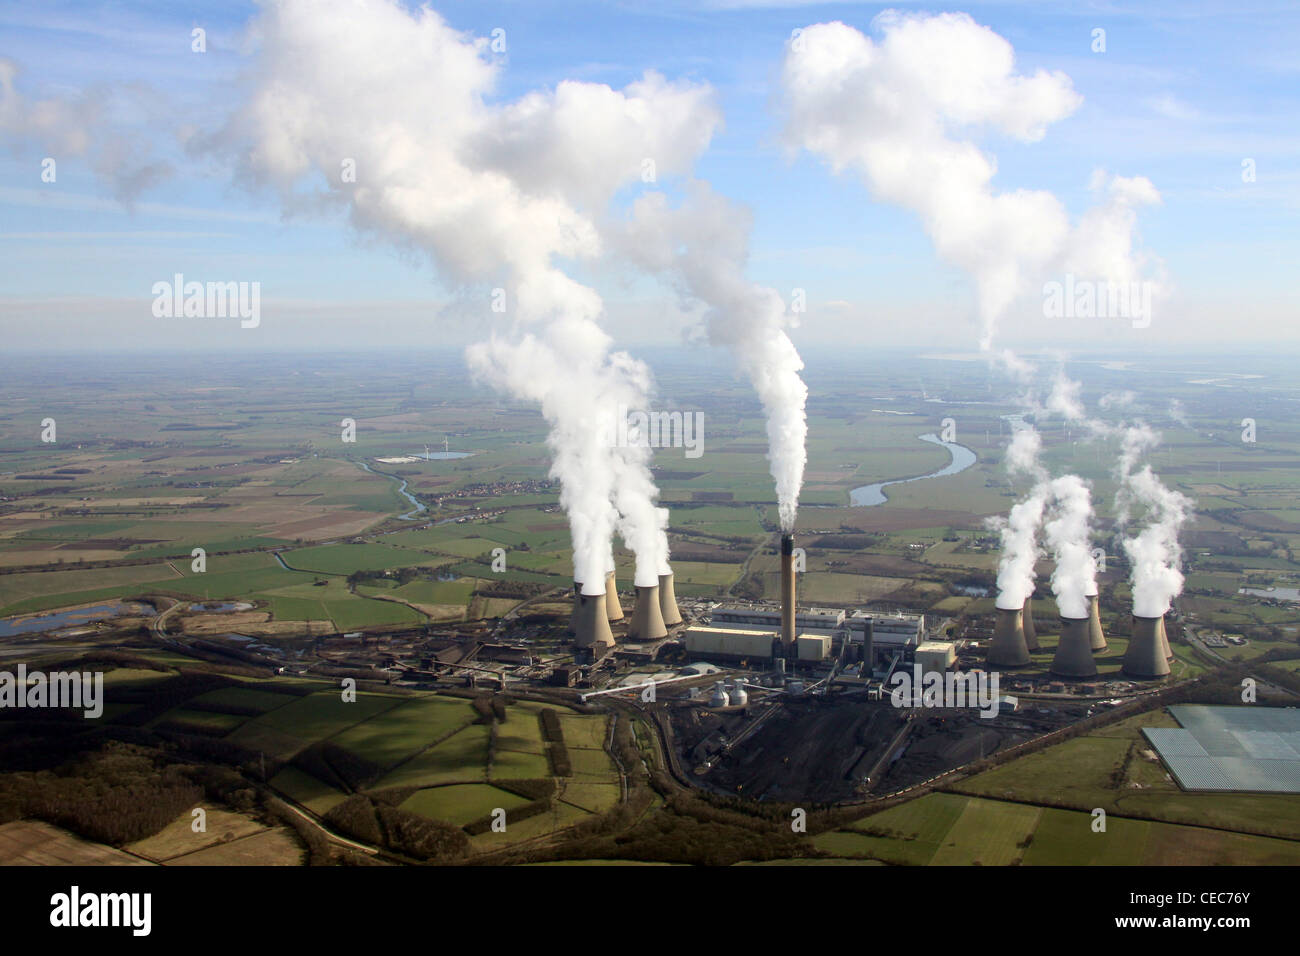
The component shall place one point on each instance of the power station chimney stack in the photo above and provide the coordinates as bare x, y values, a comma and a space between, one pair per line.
1074, 650
668, 601
1027, 621
1095, 634
592, 621
613, 609
647, 623
1145, 657
787, 591
1008, 648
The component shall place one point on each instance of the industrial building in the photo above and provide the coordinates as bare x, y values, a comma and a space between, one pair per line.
735, 644
936, 655
813, 620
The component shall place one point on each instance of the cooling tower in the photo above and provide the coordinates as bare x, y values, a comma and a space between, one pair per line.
1074, 650
1095, 636
668, 601
1008, 647
592, 624
1027, 622
787, 590
577, 599
647, 623
613, 609
1145, 657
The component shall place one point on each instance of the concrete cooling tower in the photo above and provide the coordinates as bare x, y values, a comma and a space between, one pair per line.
1027, 621
613, 609
647, 623
592, 622
1074, 651
668, 601
1008, 648
787, 590
1145, 658
577, 600
1095, 635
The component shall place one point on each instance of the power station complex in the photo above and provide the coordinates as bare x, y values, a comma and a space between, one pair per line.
862, 644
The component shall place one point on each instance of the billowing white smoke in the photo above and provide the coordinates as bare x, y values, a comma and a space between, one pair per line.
389, 109
1020, 551
1154, 553
1019, 530
895, 111
1066, 532
703, 246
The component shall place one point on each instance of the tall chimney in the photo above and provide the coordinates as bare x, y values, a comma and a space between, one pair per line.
613, 609
592, 621
1095, 635
787, 590
1074, 650
647, 623
1145, 657
668, 601
1008, 648
1027, 621
577, 600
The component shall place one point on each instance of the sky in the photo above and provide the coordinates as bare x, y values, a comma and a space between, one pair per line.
1183, 94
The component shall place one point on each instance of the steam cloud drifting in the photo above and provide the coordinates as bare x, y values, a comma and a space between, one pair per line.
493, 195
891, 109
1067, 534
703, 245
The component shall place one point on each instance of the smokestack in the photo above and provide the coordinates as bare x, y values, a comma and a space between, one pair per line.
592, 626
787, 590
1145, 658
1074, 650
668, 601
613, 609
1027, 621
577, 599
1095, 636
1008, 648
647, 623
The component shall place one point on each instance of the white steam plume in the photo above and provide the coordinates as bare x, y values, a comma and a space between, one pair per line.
1019, 530
1066, 532
703, 245
1154, 553
494, 195
902, 110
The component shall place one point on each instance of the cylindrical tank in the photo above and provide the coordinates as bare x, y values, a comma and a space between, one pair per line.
738, 696
720, 697
795, 687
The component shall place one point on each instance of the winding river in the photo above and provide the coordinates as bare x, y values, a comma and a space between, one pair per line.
419, 506
962, 458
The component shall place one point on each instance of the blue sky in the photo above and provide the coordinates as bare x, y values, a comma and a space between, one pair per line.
1183, 93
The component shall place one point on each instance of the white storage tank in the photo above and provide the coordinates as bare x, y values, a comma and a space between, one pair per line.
720, 698
738, 696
